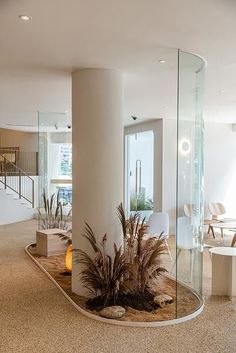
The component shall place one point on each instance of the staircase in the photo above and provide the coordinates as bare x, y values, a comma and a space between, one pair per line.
16, 193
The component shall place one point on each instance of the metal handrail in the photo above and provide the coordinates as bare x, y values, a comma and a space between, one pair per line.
18, 188
26, 161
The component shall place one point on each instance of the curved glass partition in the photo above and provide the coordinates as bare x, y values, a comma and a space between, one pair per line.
180, 195
189, 193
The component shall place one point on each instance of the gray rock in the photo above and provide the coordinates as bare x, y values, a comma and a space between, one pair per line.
113, 312
163, 299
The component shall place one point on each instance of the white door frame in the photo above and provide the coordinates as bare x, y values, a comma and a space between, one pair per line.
157, 127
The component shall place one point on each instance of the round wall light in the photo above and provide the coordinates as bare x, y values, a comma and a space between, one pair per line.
25, 18
184, 147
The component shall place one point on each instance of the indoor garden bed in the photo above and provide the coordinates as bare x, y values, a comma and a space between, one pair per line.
188, 302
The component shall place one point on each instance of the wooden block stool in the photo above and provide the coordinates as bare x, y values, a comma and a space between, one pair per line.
48, 244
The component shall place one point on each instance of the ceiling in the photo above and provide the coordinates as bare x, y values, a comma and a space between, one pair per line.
37, 57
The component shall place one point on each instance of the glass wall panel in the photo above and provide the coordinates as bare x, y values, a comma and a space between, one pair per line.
189, 208
180, 215
55, 157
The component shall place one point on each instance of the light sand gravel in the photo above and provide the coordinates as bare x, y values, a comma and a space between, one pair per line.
36, 318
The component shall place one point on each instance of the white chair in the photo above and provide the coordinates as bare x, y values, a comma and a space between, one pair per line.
217, 209
185, 240
189, 210
193, 213
158, 223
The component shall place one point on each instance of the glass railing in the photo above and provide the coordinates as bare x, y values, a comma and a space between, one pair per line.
26, 161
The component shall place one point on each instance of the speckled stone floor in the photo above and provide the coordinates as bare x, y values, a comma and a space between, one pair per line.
36, 318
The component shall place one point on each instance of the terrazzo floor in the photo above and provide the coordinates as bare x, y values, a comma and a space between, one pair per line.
36, 318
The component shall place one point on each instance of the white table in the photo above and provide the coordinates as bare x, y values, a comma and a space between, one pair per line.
224, 271
224, 225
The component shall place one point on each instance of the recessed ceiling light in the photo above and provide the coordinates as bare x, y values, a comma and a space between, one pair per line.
162, 61
25, 18
222, 91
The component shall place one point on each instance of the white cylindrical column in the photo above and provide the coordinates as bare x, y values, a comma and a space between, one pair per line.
97, 118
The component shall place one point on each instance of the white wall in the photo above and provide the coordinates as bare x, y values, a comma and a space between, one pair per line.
12, 208
220, 165
27, 141
28, 145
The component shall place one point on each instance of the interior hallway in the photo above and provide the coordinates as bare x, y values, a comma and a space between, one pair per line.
36, 318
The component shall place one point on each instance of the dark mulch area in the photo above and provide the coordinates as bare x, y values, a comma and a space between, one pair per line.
139, 301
